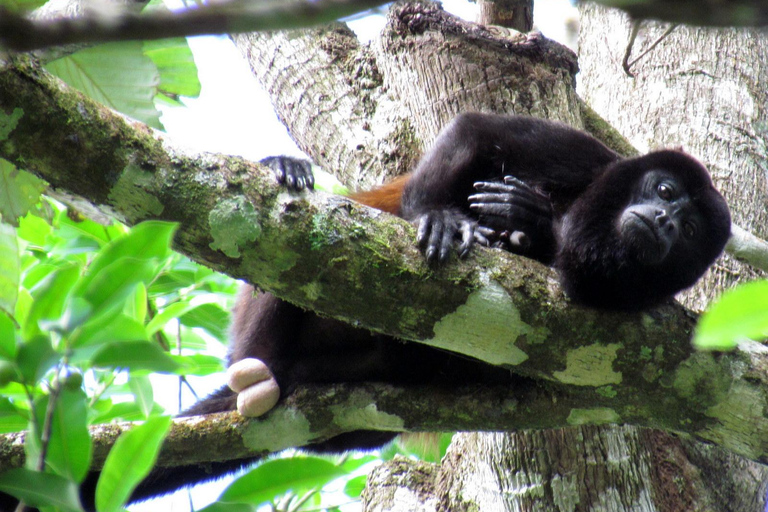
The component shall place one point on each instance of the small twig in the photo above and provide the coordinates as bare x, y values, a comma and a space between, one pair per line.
23, 34
53, 396
625, 63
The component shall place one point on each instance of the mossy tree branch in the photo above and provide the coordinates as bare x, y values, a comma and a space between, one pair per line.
334, 256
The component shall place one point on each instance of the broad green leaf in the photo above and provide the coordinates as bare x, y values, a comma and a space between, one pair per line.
36, 356
107, 328
124, 411
198, 364
353, 462
10, 269
113, 284
41, 489
34, 229
171, 281
136, 306
117, 75
176, 64
23, 5
167, 314
83, 227
740, 313
227, 507
142, 392
69, 449
19, 192
148, 240
7, 338
211, 317
50, 295
130, 460
354, 487
276, 477
136, 355
13, 423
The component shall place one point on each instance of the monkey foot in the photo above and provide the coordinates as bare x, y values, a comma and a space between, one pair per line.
256, 387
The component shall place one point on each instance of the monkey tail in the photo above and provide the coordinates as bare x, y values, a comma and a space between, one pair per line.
385, 197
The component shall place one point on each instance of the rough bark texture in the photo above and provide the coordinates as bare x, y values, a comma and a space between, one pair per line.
367, 112
566, 470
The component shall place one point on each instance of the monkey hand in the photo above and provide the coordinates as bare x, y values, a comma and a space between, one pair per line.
256, 387
294, 173
437, 229
520, 218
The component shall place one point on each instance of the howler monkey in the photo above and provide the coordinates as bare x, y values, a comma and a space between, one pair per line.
623, 233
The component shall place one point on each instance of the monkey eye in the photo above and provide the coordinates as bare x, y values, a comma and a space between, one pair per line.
689, 229
665, 191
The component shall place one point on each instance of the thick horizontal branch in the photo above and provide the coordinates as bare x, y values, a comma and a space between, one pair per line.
20, 33
344, 260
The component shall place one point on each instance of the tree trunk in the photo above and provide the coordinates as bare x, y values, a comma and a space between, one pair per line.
562, 470
702, 89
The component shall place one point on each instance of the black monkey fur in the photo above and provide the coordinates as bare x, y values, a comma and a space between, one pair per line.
623, 233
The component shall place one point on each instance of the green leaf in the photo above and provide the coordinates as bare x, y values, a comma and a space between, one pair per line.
211, 317
740, 313
113, 327
41, 489
136, 355
130, 460
49, 296
355, 486
276, 477
117, 75
36, 356
141, 388
19, 191
146, 241
170, 312
34, 230
112, 285
7, 338
176, 64
69, 449
10, 269
124, 411
136, 307
227, 507
198, 364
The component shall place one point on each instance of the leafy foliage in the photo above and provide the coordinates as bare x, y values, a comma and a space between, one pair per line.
79, 299
741, 313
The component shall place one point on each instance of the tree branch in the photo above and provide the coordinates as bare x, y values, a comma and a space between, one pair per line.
345, 260
20, 33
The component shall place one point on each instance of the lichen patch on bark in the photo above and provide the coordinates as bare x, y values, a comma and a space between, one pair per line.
590, 366
488, 315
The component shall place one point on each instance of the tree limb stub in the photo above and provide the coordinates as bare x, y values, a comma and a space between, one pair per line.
344, 260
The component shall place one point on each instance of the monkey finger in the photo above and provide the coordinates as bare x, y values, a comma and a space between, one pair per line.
258, 399
492, 198
467, 231
494, 187
422, 231
446, 243
483, 235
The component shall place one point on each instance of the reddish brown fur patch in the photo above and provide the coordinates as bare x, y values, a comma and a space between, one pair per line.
386, 197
